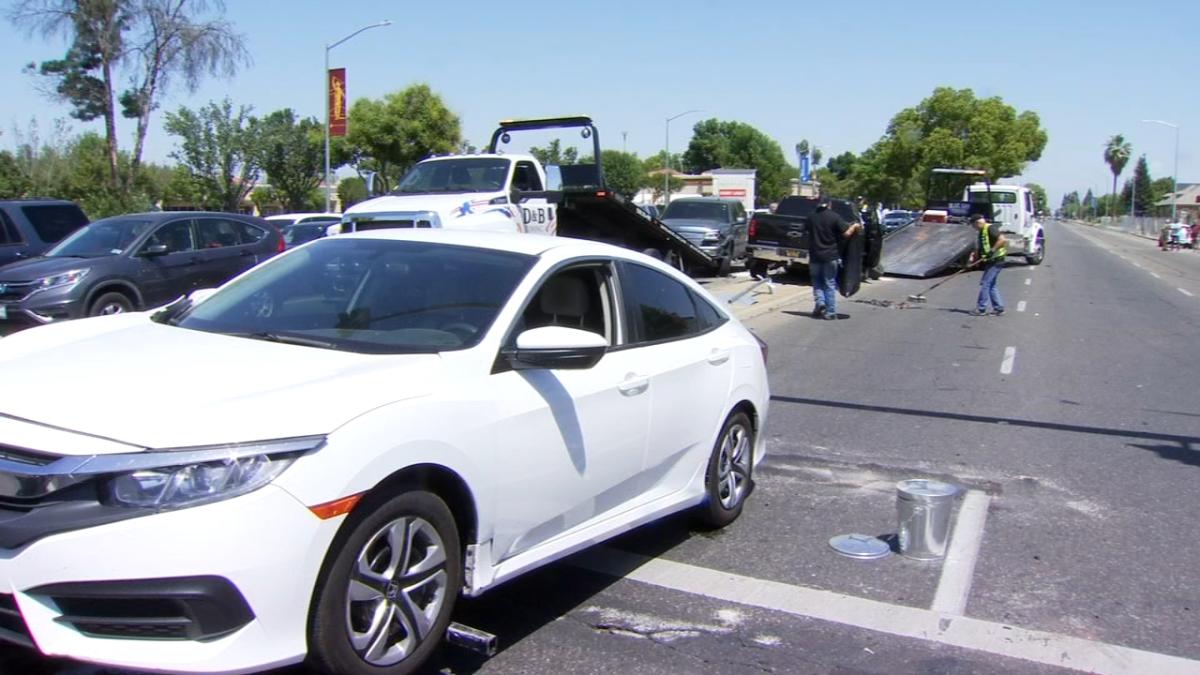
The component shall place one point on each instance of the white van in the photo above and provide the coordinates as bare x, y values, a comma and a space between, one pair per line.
1013, 211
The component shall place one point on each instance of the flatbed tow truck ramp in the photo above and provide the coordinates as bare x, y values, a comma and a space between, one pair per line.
587, 209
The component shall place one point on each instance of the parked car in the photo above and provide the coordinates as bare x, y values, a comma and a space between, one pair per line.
282, 220
894, 220
717, 226
132, 262
30, 226
490, 402
299, 233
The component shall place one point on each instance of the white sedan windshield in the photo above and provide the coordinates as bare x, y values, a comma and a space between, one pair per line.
367, 295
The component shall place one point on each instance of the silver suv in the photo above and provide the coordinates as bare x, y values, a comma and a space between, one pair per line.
718, 226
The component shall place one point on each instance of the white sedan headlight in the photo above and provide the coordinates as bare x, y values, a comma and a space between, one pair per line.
176, 479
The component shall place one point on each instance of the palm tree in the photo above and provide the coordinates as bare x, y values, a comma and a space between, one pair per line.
1116, 154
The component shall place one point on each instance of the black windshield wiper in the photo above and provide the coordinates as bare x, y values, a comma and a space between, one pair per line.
289, 339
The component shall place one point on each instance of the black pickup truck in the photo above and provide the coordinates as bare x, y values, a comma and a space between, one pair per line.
781, 238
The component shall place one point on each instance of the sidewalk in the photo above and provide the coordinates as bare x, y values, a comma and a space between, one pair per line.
755, 297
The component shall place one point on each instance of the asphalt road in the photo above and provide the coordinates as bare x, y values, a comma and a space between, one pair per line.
1073, 419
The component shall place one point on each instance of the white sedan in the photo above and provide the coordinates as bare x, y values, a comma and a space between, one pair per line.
315, 461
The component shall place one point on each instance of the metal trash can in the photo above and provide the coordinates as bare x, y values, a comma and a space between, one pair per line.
923, 507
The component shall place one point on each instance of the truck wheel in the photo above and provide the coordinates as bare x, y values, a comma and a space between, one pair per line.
723, 266
758, 268
1039, 252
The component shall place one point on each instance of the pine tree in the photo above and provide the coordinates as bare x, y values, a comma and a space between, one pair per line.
1142, 185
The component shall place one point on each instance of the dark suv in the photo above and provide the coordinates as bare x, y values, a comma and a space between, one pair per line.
30, 226
136, 261
716, 225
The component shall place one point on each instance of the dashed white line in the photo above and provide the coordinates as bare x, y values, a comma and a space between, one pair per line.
1021, 306
954, 586
1155, 275
910, 622
1185, 292
1029, 282
1010, 355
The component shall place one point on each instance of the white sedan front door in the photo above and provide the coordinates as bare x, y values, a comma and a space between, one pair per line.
570, 445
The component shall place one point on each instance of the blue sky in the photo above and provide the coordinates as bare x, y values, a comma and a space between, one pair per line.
833, 72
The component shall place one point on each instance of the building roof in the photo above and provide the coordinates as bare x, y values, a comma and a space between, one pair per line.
1188, 195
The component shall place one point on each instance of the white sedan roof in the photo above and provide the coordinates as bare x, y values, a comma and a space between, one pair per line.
528, 244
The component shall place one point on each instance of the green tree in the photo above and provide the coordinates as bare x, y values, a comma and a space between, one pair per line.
292, 155
1089, 204
148, 43
1160, 188
1070, 205
266, 200
1041, 203
555, 154
950, 128
736, 145
13, 182
623, 172
1142, 188
352, 191
653, 167
1116, 155
219, 147
400, 130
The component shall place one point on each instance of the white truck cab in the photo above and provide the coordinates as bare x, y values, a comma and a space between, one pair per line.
492, 192
1013, 210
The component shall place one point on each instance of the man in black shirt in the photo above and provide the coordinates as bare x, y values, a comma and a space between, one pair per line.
824, 257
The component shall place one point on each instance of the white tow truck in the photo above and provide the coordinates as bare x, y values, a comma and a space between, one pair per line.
505, 192
1013, 210
501, 193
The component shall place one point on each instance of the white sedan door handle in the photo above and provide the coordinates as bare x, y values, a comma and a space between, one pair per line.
633, 385
718, 356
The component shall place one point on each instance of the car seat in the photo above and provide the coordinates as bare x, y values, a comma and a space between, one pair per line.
565, 300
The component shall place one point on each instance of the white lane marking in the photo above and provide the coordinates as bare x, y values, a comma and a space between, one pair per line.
1010, 355
1029, 282
911, 622
1185, 292
1155, 275
1137, 264
1021, 306
954, 586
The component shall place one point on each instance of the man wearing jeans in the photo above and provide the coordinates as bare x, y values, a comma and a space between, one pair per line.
990, 251
826, 229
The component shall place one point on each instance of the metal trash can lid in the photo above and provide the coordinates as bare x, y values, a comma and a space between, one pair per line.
860, 546
925, 490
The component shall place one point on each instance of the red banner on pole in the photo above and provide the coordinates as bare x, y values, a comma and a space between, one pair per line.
337, 102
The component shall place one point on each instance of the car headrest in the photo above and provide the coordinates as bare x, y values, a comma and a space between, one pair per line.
564, 296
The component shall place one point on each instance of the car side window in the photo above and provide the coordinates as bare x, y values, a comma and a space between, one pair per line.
177, 236
248, 234
8, 232
216, 233
659, 308
525, 178
53, 222
707, 315
574, 297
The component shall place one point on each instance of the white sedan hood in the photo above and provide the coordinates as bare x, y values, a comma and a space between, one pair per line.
129, 379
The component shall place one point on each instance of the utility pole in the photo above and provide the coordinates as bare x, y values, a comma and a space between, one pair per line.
328, 47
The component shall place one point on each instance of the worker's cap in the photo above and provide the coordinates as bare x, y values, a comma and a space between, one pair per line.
977, 217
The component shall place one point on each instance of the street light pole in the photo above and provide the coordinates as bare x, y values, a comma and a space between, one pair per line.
328, 47
1175, 178
667, 157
